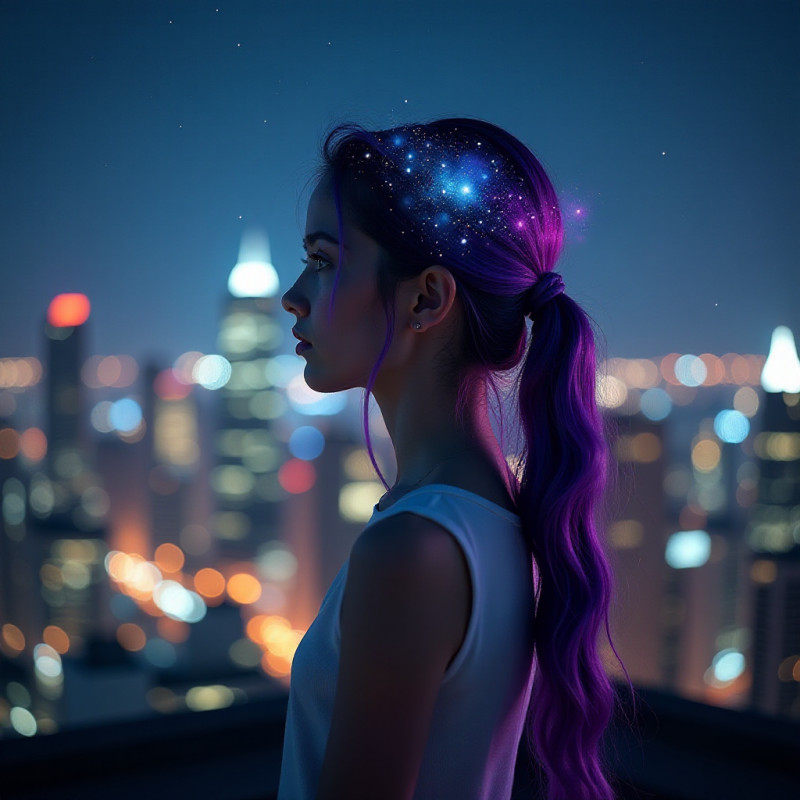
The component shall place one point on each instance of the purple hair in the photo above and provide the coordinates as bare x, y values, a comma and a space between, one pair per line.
564, 464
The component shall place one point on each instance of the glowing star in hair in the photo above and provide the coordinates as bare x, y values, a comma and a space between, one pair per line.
781, 371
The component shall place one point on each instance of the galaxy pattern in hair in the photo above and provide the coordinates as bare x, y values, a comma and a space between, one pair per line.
454, 192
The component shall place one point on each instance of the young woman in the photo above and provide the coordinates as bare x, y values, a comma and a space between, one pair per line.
472, 602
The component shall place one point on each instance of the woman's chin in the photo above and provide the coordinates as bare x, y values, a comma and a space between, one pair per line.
324, 384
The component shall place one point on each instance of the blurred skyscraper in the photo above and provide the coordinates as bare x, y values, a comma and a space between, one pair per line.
774, 535
247, 452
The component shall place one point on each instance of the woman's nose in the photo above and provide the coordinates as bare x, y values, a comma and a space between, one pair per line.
293, 302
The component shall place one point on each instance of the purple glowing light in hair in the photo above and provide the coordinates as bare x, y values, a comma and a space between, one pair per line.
426, 213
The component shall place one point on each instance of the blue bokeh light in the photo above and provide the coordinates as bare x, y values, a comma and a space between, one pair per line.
655, 404
125, 414
686, 549
731, 426
306, 443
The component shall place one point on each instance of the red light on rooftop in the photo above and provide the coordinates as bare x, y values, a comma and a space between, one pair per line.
68, 310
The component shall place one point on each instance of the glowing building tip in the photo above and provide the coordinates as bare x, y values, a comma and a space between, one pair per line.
253, 275
781, 371
68, 310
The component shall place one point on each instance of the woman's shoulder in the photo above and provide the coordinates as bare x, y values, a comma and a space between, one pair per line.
406, 541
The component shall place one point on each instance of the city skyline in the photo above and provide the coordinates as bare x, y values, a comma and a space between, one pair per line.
143, 143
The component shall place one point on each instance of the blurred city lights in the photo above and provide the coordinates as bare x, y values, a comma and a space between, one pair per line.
731, 426
297, 476
33, 444
275, 562
611, 391
184, 365
209, 582
179, 603
169, 557
690, 370
68, 310
131, 637
727, 665
781, 371
306, 443
655, 404
19, 373
746, 401
207, 698
22, 721
13, 637
706, 455
253, 279
306, 401
244, 588
125, 415
253, 275
687, 549
160, 653
211, 372
280, 370
47, 661
356, 500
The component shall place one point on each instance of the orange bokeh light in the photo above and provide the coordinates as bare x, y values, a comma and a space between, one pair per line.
68, 310
33, 444
667, 368
57, 638
13, 637
9, 443
715, 369
253, 628
209, 582
131, 636
277, 666
244, 588
169, 557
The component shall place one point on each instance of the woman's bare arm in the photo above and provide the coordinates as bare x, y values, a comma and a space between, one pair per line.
405, 612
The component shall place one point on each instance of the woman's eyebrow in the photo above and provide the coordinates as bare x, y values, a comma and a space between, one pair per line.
313, 237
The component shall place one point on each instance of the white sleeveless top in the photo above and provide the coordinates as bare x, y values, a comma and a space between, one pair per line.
480, 710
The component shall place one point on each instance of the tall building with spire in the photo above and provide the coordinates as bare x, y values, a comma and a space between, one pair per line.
247, 452
774, 535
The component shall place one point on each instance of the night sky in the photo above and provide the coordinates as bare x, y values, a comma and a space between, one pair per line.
138, 140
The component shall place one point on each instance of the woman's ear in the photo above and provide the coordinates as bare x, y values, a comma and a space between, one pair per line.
431, 295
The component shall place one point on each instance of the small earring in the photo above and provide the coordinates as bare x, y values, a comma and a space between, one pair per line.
417, 325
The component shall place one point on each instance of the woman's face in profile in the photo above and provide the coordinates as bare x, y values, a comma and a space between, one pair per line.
343, 352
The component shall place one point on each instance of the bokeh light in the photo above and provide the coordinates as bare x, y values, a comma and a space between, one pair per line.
731, 426
169, 557
68, 310
306, 443
125, 415
212, 372
690, 370
655, 404
243, 588
209, 582
297, 476
688, 549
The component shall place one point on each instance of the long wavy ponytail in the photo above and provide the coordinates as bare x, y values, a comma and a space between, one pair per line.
564, 469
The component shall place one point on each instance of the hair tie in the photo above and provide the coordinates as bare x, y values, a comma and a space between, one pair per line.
550, 285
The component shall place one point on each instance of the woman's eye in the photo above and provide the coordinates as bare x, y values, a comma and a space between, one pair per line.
318, 259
